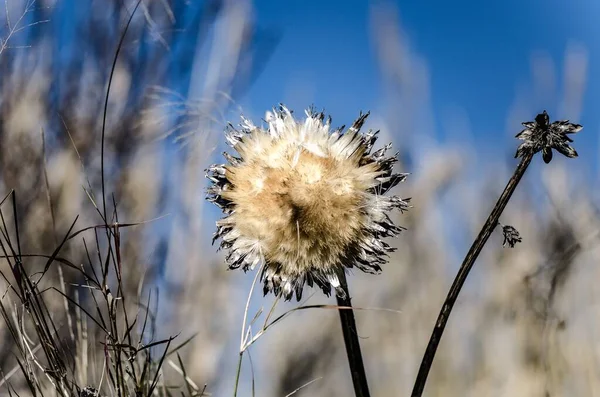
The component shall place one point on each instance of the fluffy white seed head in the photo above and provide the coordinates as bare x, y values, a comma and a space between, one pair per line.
304, 200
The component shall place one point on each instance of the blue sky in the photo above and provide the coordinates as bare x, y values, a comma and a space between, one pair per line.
478, 56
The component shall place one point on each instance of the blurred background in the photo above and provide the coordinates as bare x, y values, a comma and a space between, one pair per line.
448, 83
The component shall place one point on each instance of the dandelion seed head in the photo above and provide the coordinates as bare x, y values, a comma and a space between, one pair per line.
305, 200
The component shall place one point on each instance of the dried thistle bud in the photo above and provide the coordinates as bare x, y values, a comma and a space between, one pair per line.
89, 391
305, 201
540, 135
511, 236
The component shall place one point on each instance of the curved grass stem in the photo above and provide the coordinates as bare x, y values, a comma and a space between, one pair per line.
463, 272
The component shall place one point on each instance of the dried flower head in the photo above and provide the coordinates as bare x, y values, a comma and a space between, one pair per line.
511, 236
305, 201
541, 135
89, 391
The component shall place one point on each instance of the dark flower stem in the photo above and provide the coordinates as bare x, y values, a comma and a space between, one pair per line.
463, 272
357, 368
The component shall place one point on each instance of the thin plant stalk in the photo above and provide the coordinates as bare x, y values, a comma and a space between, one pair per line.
357, 367
245, 335
463, 272
238, 374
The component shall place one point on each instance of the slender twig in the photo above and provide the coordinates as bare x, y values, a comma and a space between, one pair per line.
357, 368
303, 386
463, 272
238, 374
246, 333
105, 110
